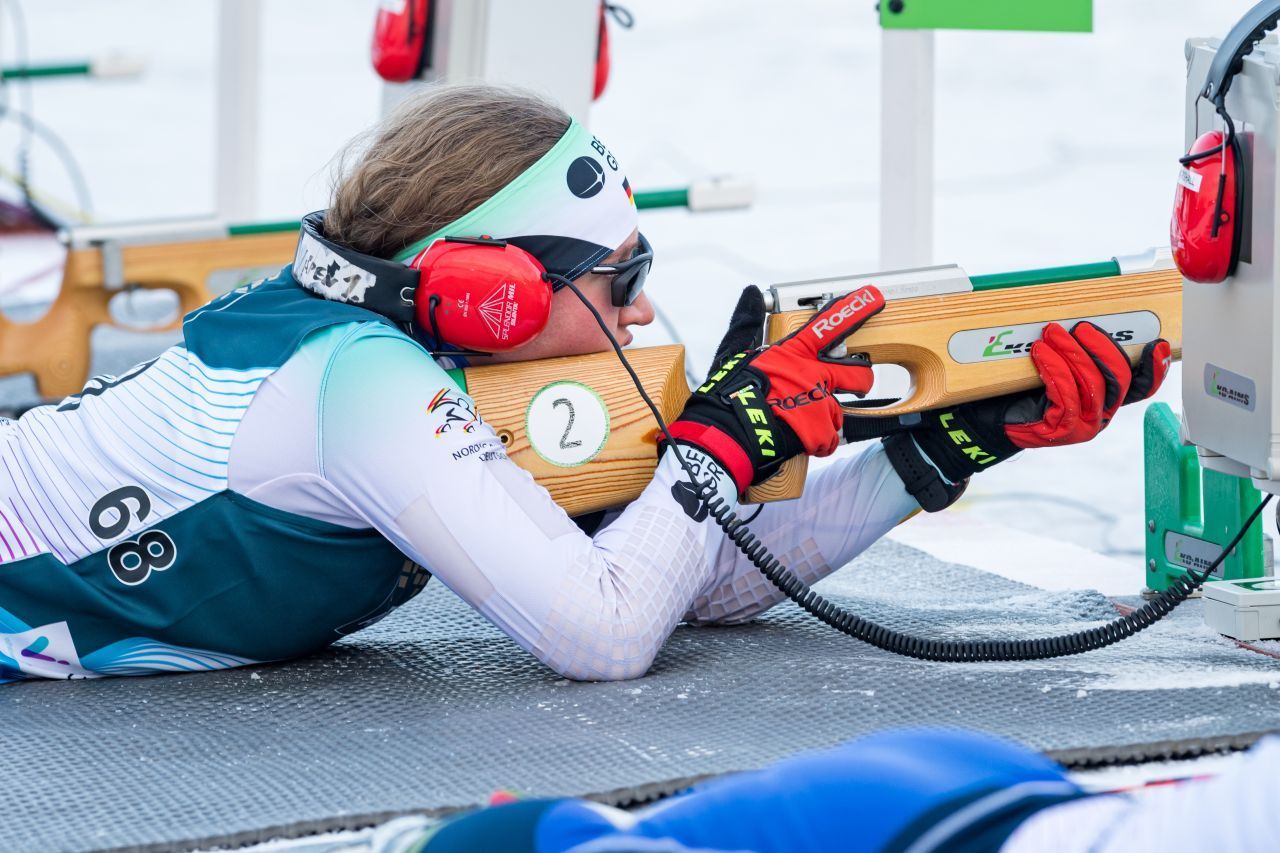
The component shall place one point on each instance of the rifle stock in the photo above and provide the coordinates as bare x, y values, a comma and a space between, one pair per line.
508, 397
915, 332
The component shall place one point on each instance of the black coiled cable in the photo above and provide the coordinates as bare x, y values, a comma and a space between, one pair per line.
964, 651
923, 648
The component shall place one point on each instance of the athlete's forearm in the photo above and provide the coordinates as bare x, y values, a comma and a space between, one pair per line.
591, 609
845, 508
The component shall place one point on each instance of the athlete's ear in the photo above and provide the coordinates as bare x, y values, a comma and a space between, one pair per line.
746, 326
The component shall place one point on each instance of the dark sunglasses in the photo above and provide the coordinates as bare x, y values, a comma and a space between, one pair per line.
629, 275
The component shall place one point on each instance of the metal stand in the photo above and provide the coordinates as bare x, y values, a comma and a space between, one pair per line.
239, 40
906, 148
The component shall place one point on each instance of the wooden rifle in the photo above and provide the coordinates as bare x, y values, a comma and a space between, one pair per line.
959, 339
102, 263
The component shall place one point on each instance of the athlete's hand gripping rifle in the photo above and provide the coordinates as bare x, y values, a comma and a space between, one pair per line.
963, 338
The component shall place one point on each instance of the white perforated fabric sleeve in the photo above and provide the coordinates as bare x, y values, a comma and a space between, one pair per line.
1234, 812
275, 456
845, 508
401, 448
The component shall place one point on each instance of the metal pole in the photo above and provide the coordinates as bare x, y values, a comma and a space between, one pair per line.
236, 130
906, 148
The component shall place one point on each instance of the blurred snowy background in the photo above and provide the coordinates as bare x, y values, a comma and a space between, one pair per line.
1051, 149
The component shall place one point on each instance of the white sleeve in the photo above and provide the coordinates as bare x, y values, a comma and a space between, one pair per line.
404, 447
1234, 812
845, 508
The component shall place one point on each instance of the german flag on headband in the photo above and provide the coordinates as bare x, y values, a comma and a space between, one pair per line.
626, 187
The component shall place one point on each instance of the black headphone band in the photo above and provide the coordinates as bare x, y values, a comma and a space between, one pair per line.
1188, 159
1238, 44
1237, 153
342, 274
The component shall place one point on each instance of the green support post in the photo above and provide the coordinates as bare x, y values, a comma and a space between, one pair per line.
1192, 512
645, 200
650, 199
29, 72
1071, 16
263, 227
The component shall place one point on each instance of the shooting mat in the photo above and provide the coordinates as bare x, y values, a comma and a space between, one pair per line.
433, 709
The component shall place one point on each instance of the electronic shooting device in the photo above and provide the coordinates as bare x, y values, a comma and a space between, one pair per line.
1231, 360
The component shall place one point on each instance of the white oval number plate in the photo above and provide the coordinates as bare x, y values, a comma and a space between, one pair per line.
567, 423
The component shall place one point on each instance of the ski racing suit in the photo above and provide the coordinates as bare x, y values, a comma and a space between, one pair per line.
296, 468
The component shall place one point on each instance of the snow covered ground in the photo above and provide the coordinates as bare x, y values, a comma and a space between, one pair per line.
1051, 149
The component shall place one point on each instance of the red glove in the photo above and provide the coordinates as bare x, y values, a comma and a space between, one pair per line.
802, 374
761, 407
1087, 377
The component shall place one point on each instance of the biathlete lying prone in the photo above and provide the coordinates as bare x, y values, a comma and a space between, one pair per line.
301, 462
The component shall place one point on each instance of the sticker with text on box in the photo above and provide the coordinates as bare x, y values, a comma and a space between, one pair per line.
567, 423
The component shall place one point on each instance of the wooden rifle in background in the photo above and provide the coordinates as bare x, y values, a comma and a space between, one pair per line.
102, 263
197, 260
577, 423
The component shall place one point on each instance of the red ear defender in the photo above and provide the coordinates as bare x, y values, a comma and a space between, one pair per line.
481, 294
400, 39
1203, 230
602, 58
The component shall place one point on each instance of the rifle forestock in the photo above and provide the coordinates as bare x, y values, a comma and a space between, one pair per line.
961, 344
964, 346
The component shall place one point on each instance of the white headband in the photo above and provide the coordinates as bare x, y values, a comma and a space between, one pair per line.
569, 209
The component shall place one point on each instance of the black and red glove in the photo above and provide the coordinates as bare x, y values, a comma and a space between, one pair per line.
763, 405
1087, 377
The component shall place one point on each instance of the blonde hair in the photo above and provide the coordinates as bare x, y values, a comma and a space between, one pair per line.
442, 153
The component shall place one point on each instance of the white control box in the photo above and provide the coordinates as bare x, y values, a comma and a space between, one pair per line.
1244, 609
1231, 331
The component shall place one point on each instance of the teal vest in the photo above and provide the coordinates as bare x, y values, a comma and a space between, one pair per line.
249, 582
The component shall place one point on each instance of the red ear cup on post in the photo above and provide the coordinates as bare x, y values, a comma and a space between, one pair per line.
602, 58
1203, 230
400, 40
487, 296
